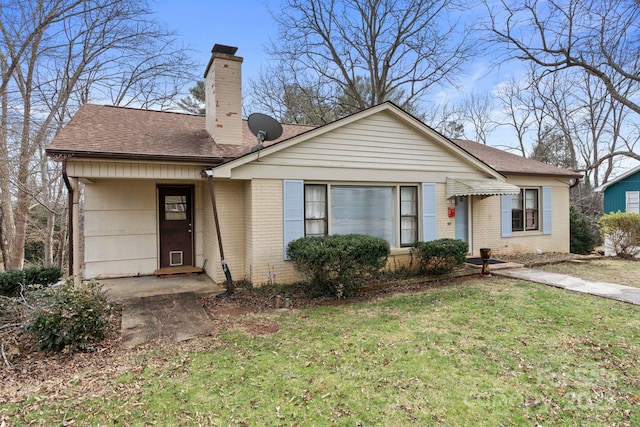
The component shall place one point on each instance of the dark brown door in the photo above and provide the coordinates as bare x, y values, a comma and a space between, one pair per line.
176, 225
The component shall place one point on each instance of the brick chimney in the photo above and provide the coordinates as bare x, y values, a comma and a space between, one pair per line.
223, 94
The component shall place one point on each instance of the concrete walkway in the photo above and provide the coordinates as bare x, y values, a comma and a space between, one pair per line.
125, 288
602, 289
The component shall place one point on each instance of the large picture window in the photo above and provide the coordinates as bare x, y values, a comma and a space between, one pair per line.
363, 210
389, 212
524, 210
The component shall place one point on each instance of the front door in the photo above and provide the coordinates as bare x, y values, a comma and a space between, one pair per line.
462, 218
176, 225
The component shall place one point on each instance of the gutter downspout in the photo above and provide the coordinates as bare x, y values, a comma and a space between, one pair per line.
229, 284
77, 279
70, 192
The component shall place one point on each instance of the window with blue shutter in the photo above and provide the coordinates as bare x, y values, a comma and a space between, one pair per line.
506, 214
293, 212
429, 217
546, 210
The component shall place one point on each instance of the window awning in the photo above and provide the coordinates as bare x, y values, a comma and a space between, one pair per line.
478, 187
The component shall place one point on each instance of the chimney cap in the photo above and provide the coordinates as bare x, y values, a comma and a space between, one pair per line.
221, 48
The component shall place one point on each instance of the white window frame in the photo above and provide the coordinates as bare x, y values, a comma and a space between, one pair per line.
632, 205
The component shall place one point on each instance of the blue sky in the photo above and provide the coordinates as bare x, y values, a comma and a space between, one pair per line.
248, 25
199, 24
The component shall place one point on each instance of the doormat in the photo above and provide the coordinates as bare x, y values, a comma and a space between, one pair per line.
478, 261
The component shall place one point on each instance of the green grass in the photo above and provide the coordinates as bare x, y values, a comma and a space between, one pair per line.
479, 352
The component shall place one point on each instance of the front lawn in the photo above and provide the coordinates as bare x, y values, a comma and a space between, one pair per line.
475, 352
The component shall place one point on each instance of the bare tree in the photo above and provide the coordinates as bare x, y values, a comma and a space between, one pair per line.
291, 96
602, 38
570, 120
393, 46
516, 111
56, 55
446, 119
477, 110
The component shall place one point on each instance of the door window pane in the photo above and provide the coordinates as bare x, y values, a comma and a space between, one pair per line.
175, 208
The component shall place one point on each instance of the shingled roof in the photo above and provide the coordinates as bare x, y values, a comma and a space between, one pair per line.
116, 132
98, 131
511, 164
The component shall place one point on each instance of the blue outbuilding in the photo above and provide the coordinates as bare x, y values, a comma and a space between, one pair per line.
623, 193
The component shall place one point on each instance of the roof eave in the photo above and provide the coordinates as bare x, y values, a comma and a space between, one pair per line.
213, 160
549, 175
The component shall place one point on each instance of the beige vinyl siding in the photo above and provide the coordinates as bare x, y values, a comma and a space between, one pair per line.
121, 226
127, 169
120, 223
376, 148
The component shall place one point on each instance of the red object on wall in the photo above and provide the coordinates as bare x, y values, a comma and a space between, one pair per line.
451, 211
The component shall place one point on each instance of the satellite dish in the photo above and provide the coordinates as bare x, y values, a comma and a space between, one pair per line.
265, 128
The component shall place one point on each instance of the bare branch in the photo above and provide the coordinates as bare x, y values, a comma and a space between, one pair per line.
365, 52
600, 38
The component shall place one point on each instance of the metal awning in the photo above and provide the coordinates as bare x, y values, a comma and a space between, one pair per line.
478, 187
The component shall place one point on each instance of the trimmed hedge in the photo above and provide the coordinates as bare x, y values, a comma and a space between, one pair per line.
69, 318
333, 264
11, 281
440, 256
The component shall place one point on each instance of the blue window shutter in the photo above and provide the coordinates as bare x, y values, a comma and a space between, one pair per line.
546, 210
505, 214
429, 218
293, 211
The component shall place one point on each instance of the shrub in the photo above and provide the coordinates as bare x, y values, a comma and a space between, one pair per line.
582, 240
440, 256
333, 264
622, 231
69, 318
11, 281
